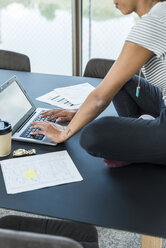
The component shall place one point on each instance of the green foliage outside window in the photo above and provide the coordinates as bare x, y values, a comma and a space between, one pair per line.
101, 9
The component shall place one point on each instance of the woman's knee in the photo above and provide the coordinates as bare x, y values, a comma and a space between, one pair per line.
97, 133
89, 137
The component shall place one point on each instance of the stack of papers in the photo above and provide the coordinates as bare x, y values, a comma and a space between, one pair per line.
68, 97
39, 171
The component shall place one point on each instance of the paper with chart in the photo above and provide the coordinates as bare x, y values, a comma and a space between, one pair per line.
39, 171
68, 97
55, 99
76, 94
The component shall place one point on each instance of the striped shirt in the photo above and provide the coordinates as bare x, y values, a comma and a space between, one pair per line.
150, 32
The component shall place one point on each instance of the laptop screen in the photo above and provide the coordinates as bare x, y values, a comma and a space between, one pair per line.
14, 104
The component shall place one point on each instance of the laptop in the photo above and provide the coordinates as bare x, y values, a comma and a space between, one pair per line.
18, 109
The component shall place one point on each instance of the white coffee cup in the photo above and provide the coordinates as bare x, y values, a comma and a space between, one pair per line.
5, 138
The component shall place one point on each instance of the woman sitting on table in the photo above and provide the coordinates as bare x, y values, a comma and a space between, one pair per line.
128, 138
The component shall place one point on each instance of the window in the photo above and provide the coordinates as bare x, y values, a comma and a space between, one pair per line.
41, 29
104, 29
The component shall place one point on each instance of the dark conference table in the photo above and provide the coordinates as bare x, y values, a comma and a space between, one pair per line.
131, 198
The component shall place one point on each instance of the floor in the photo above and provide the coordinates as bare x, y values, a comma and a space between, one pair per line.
108, 238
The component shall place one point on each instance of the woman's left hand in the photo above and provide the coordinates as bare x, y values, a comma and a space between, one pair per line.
49, 129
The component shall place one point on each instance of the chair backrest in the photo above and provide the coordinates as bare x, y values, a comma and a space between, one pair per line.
98, 68
14, 61
19, 239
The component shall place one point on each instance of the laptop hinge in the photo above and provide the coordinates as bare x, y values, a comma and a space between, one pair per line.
25, 122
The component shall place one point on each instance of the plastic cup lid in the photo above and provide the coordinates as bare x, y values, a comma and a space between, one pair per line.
5, 127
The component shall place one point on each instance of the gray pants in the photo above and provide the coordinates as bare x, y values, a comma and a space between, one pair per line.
127, 138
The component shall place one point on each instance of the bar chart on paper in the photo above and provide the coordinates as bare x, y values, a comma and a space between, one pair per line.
67, 97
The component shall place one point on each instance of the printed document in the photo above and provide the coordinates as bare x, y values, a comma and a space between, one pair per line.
68, 97
55, 99
76, 94
38, 171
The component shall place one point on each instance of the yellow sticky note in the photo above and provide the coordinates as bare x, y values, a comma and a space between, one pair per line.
30, 174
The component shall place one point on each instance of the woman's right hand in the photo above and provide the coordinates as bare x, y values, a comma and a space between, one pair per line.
61, 115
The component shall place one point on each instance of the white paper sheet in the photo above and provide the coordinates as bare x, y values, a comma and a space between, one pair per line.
76, 94
67, 97
55, 99
38, 171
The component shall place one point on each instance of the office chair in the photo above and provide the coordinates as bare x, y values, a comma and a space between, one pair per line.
14, 61
98, 68
15, 239
29, 232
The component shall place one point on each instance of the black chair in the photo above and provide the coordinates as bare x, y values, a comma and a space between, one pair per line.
14, 61
98, 68
15, 239
20, 231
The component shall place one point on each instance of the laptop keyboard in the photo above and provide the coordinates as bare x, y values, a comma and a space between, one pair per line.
27, 131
